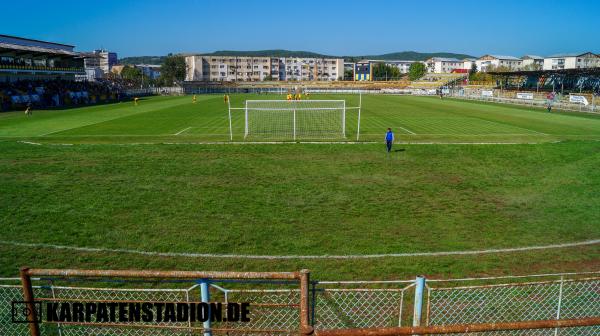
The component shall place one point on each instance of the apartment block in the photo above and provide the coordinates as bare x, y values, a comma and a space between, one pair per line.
252, 69
571, 61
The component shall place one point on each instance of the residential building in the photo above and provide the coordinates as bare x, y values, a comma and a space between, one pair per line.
468, 63
403, 66
363, 71
486, 62
443, 64
532, 62
246, 68
571, 61
98, 63
151, 71
91, 63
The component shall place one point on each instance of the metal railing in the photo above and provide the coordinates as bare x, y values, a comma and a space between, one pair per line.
288, 303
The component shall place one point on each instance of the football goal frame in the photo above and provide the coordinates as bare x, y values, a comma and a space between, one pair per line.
299, 115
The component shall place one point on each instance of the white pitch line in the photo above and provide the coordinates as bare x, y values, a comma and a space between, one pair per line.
510, 125
280, 257
183, 130
406, 129
31, 143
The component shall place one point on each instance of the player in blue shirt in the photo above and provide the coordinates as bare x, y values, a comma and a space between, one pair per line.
389, 139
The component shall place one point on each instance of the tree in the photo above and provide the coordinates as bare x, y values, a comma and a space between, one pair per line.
172, 70
382, 71
416, 71
532, 67
134, 75
473, 70
348, 74
130, 73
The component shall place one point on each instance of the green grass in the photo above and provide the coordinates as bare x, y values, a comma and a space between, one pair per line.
414, 119
301, 199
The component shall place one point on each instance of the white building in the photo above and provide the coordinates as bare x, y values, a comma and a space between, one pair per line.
494, 61
245, 68
403, 66
443, 65
532, 61
571, 61
468, 63
98, 63
152, 71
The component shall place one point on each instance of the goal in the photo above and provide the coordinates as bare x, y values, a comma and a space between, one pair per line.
296, 119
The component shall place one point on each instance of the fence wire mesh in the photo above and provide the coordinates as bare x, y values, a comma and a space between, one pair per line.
564, 299
333, 305
357, 308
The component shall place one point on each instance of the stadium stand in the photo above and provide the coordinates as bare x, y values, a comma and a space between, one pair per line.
564, 81
436, 80
55, 93
43, 74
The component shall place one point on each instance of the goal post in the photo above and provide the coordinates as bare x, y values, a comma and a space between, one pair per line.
295, 120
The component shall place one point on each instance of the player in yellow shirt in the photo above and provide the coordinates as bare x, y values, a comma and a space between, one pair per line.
135, 100
289, 97
225, 98
194, 99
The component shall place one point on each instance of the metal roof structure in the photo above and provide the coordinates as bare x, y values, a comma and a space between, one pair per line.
571, 54
22, 49
581, 71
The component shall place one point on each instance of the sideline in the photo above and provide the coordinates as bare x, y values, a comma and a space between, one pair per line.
281, 257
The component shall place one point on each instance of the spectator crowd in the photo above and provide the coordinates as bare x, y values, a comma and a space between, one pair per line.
56, 93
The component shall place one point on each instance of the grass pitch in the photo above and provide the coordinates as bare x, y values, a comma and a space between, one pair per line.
301, 199
414, 119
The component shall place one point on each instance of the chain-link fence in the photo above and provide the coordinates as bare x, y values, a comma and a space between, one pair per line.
533, 99
527, 301
275, 308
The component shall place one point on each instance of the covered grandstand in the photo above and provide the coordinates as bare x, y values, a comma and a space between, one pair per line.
22, 58
586, 80
43, 74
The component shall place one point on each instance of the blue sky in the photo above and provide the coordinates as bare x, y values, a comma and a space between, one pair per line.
135, 28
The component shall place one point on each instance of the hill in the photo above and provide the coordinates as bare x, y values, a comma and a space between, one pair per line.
157, 60
411, 56
403, 55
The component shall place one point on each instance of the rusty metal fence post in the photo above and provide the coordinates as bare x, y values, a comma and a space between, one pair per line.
305, 327
300, 314
32, 318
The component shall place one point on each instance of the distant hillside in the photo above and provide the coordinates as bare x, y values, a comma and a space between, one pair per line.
264, 53
403, 55
411, 56
157, 60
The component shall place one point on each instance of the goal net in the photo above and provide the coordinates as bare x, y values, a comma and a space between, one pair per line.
296, 119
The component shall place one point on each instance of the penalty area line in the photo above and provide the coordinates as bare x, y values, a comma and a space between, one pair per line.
406, 129
183, 130
282, 257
